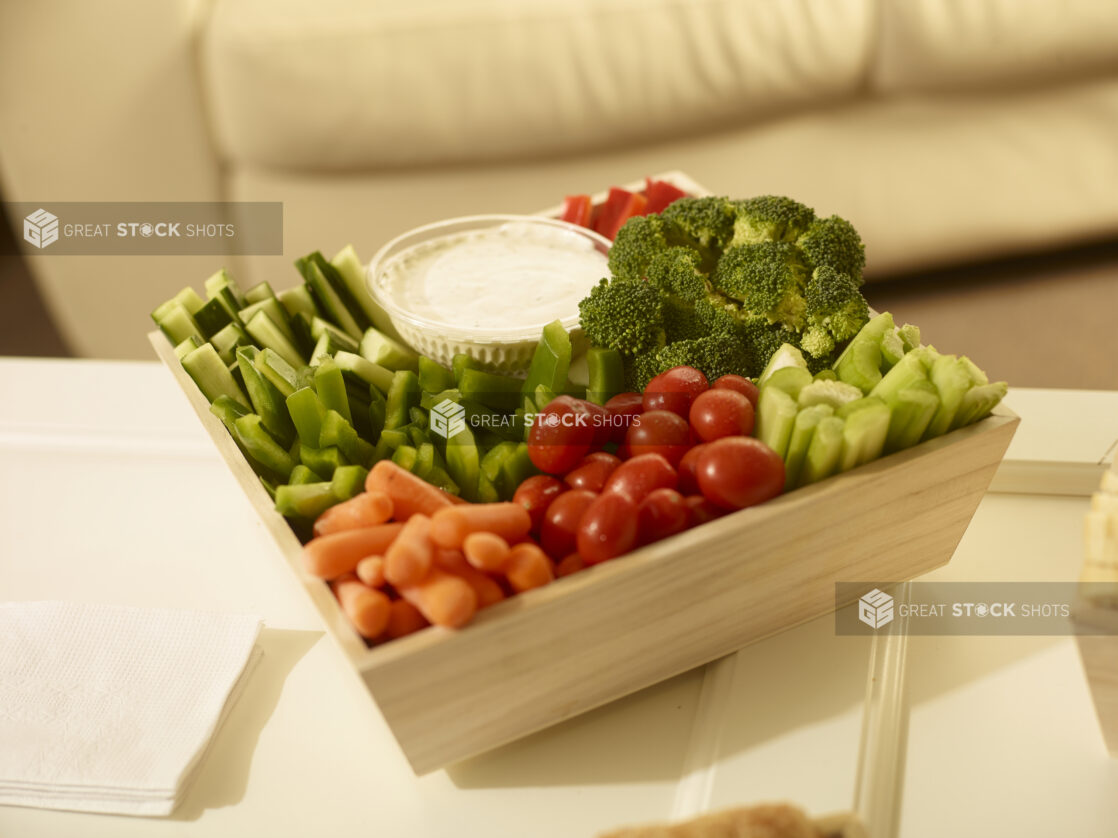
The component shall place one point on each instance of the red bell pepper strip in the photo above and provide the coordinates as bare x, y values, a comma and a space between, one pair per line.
660, 193
576, 210
620, 206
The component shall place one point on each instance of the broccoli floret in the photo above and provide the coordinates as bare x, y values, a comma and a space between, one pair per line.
676, 271
625, 314
640, 369
770, 218
762, 338
708, 221
835, 309
714, 356
768, 279
639, 240
835, 243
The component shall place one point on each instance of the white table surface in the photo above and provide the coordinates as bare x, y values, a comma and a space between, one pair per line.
111, 492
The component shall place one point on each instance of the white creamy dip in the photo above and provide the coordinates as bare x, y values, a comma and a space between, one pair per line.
515, 277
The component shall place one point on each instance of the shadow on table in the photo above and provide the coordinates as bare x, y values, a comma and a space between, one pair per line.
641, 737
223, 775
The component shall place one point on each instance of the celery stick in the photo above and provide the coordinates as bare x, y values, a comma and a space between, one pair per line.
266, 400
463, 463
913, 408
460, 363
860, 364
405, 457
789, 379
403, 394
486, 491
786, 355
907, 371
424, 459
830, 392
978, 402
348, 481
776, 415
892, 349
211, 375
802, 432
337, 432
952, 380
264, 449
330, 386
863, 434
301, 474
910, 336
824, 452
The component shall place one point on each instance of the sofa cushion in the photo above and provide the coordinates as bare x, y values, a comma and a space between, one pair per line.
346, 84
967, 44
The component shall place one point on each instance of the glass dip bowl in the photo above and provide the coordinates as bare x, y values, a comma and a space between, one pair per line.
486, 285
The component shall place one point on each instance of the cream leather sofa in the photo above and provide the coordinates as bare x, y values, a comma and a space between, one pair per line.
946, 130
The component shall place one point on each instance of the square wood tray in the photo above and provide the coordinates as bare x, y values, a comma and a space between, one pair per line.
549, 654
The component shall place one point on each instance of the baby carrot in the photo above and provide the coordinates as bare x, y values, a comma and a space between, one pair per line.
487, 590
450, 526
404, 618
370, 570
570, 564
443, 598
486, 551
364, 510
409, 557
366, 608
528, 567
329, 556
410, 495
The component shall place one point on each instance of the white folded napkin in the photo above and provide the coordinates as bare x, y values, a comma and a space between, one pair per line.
110, 709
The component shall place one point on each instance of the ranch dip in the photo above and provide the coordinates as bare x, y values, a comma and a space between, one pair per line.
514, 277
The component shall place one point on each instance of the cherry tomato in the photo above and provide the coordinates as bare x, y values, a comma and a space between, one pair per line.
701, 510
674, 390
559, 529
621, 409
688, 483
639, 476
659, 432
663, 512
740, 383
600, 422
718, 413
561, 435
593, 472
739, 471
608, 528
536, 494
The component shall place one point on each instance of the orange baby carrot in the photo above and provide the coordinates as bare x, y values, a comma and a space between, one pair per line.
370, 570
487, 590
329, 556
486, 551
570, 564
366, 608
450, 526
410, 495
364, 510
404, 618
443, 598
409, 557
528, 567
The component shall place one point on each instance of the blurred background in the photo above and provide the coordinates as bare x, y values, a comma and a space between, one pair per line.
973, 143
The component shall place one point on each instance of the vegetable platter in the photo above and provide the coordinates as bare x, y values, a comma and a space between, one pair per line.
615, 626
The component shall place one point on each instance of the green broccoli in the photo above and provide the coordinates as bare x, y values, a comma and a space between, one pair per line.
638, 241
640, 369
770, 218
708, 221
833, 242
625, 314
768, 279
676, 271
714, 356
836, 311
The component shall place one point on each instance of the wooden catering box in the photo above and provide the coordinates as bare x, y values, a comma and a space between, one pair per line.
587, 639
